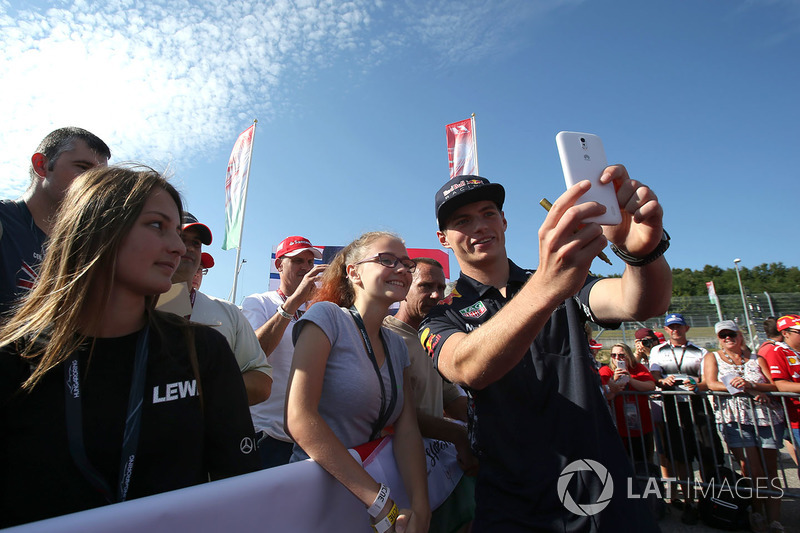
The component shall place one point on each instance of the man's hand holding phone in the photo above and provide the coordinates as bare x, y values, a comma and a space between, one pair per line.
632, 219
642, 227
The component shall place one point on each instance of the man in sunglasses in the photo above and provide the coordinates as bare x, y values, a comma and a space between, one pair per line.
515, 340
784, 365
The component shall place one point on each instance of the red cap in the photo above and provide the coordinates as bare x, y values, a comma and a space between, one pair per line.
594, 345
291, 246
206, 260
190, 221
788, 322
643, 333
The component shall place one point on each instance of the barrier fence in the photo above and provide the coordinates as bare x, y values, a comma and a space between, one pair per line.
684, 430
303, 497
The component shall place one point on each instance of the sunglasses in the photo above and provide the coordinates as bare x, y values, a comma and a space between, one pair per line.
618, 355
390, 261
727, 335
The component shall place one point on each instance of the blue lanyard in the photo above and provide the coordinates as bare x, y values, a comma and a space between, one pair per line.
133, 422
385, 411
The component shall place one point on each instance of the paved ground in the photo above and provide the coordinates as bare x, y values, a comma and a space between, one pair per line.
790, 507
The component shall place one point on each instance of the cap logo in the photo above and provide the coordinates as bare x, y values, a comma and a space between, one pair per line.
459, 185
453, 188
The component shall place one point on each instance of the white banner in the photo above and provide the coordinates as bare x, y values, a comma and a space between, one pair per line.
236, 187
298, 497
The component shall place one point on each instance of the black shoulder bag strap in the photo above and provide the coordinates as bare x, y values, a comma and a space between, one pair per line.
386, 411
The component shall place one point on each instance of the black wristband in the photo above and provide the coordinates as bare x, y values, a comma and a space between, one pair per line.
659, 250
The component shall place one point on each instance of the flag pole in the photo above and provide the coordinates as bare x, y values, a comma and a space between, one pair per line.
475, 143
236, 267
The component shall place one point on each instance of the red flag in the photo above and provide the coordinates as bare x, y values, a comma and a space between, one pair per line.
462, 150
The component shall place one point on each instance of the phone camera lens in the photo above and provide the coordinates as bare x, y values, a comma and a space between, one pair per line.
583, 140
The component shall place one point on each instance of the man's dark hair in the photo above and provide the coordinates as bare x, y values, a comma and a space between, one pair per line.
428, 261
771, 327
62, 140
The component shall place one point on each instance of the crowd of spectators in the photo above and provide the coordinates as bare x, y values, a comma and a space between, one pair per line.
689, 428
119, 378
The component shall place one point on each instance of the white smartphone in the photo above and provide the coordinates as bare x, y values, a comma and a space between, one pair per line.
583, 158
622, 365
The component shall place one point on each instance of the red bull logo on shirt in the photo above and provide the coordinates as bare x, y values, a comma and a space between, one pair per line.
429, 341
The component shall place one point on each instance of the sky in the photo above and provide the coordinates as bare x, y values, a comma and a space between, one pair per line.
699, 99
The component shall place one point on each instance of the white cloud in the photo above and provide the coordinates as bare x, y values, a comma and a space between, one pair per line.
157, 81
164, 81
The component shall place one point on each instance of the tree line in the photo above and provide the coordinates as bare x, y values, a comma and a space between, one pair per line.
772, 278
769, 277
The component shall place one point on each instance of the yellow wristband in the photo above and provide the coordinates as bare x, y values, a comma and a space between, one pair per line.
388, 521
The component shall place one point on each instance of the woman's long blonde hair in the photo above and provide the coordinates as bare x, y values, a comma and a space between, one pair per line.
336, 286
99, 210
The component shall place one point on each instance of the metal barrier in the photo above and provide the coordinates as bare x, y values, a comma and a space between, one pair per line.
687, 432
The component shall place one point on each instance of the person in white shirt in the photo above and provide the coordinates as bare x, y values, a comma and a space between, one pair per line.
222, 315
270, 314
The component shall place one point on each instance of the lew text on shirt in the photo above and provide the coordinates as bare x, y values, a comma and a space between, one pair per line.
174, 391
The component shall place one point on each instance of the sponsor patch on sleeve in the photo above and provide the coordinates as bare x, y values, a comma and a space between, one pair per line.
474, 311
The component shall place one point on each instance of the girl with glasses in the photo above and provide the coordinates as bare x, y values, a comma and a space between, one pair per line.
347, 386
747, 425
631, 411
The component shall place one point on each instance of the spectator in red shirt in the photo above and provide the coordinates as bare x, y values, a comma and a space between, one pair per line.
632, 411
784, 366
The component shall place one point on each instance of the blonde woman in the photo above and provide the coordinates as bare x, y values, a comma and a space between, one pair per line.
103, 399
747, 425
347, 379
632, 412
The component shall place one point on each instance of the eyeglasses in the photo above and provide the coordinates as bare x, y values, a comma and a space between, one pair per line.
792, 330
618, 355
727, 335
390, 261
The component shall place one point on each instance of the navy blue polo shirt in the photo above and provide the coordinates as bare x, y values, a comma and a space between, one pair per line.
543, 415
21, 252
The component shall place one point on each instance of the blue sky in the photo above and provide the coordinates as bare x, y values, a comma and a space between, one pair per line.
699, 99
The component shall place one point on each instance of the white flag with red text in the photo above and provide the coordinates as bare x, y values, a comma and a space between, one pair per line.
462, 150
236, 187
712, 294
